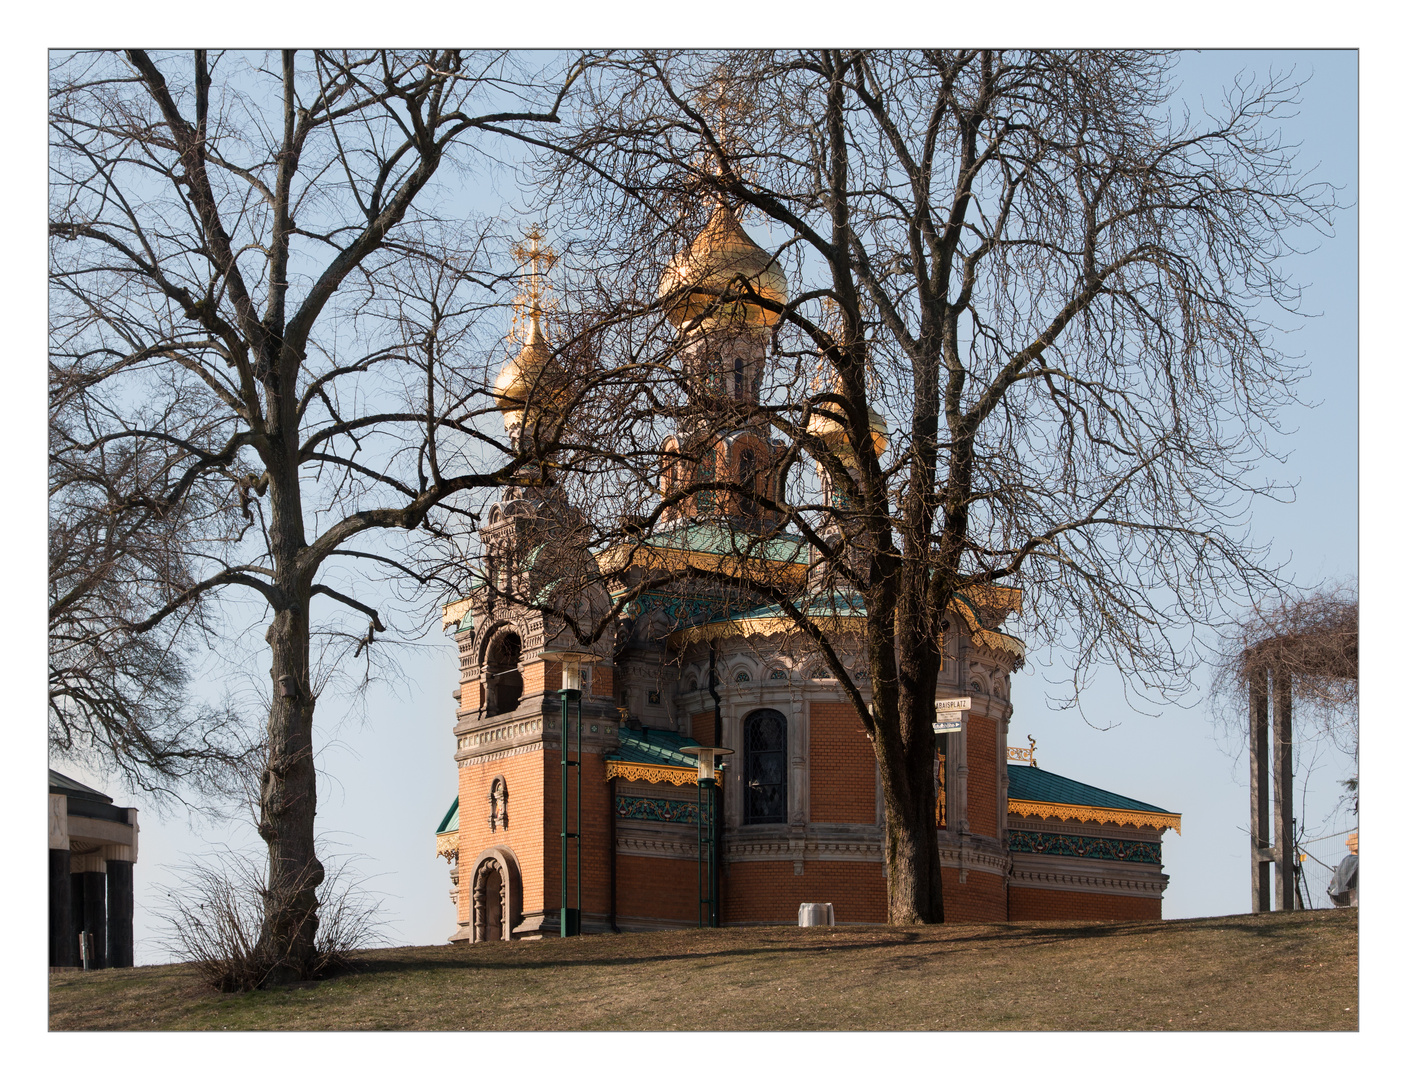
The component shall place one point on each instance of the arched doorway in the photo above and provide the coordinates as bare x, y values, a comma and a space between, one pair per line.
496, 897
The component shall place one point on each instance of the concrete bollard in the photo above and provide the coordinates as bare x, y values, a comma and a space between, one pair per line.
816, 915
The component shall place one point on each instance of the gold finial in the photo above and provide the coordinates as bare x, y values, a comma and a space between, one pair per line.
724, 106
528, 306
1032, 740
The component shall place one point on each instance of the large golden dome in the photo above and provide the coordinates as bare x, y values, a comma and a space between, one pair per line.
831, 431
720, 255
532, 382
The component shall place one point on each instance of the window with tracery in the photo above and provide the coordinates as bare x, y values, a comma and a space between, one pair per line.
764, 767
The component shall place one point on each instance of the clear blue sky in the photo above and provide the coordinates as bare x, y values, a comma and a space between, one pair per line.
386, 781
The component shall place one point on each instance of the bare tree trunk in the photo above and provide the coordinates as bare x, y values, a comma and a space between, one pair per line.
288, 804
288, 788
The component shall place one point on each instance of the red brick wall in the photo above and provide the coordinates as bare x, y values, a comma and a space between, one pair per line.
602, 681
651, 888
1039, 905
595, 829
982, 775
981, 898
772, 891
842, 766
701, 728
524, 835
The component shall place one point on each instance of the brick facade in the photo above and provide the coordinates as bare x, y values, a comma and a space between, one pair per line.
1042, 905
842, 765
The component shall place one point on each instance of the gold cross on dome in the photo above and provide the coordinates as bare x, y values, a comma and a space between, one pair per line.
722, 103
542, 260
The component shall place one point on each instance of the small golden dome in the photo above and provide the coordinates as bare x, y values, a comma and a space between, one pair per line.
721, 254
532, 381
831, 431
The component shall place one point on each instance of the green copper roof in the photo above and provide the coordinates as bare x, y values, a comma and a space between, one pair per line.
720, 539
651, 746
1037, 785
451, 818
59, 784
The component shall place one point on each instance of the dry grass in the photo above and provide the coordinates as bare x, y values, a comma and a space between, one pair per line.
1284, 971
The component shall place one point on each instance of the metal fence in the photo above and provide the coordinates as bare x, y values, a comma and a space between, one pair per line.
1319, 856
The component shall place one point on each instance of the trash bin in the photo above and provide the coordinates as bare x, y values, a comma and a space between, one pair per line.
816, 915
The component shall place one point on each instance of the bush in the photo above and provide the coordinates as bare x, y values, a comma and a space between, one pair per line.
215, 915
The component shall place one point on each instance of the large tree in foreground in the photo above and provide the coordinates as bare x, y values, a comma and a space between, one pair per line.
1061, 293
252, 272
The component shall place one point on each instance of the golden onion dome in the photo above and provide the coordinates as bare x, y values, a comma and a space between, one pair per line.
532, 380
831, 431
719, 255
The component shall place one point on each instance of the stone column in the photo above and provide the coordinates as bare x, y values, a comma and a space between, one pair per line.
61, 935
1260, 793
119, 907
1284, 796
89, 878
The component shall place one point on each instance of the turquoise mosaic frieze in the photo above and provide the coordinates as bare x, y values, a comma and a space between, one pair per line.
674, 811
1084, 847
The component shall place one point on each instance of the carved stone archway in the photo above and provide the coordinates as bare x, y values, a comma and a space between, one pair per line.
496, 897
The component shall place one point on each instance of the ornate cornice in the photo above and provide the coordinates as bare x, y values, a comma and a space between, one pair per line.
651, 774
447, 845
768, 626
1025, 875
1102, 814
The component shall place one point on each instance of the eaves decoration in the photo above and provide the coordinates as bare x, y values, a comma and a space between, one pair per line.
1101, 814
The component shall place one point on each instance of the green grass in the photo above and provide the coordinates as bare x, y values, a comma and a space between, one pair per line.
1295, 971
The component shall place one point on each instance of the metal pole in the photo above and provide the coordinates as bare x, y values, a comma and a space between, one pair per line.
578, 811
712, 854
570, 917
700, 816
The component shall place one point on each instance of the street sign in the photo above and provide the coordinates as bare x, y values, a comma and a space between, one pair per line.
947, 725
953, 704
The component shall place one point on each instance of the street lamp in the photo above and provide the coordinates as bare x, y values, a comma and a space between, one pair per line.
709, 765
571, 661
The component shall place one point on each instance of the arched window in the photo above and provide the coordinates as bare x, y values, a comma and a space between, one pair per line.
505, 681
764, 767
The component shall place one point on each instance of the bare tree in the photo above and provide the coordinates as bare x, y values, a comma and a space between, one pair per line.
251, 267
116, 699
1060, 295
1309, 641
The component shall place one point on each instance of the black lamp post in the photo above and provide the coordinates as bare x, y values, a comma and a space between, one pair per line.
709, 765
571, 662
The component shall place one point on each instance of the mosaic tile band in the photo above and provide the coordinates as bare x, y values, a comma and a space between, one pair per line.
674, 811
1085, 847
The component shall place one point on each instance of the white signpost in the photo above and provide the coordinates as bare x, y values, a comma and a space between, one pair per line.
951, 713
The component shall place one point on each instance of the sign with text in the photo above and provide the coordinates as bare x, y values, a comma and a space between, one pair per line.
942, 726
953, 704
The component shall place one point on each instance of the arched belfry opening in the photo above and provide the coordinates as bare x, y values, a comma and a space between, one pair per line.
504, 683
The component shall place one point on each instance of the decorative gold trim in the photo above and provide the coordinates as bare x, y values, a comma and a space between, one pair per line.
454, 612
771, 624
652, 774
447, 844
1102, 814
647, 557
993, 639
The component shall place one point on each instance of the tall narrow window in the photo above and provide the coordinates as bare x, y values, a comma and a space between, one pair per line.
764, 767
703, 474
738, 376
747, 479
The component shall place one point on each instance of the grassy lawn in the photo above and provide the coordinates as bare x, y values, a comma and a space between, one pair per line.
1295, 971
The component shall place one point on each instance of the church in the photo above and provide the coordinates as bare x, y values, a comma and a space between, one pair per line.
585, 804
